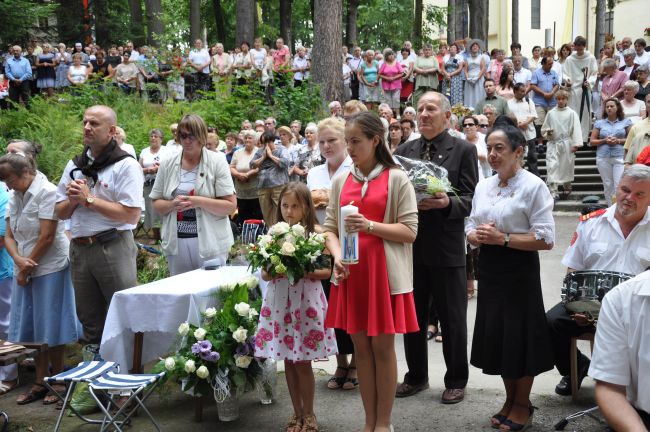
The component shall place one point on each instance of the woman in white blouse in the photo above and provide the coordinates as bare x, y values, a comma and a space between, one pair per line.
633, 108
150, 158
511, 220
43, 300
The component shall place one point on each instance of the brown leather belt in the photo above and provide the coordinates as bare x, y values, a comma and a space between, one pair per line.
89, 240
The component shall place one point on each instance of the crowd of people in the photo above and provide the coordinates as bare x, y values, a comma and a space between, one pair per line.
418, 259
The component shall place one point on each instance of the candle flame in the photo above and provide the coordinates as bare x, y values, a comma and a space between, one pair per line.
351, 202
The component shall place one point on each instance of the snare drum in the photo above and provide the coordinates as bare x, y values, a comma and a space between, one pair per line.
583, 291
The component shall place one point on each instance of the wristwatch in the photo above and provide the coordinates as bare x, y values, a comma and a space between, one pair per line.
89, 201
506, 239
371, 226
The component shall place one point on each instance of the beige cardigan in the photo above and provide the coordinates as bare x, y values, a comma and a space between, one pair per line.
401, 207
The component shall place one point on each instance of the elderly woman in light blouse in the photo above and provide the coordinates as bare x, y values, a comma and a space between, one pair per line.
633, 108
43, 302
194, 193
150, 158
245, 177
511, 220
220, 67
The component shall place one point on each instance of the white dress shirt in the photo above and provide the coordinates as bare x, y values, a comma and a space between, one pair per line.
121, 182
522, 110
599, 244
622, 349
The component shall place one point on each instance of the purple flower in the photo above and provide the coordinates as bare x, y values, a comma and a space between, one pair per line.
243, 349
205, 346
211, 356
196, 348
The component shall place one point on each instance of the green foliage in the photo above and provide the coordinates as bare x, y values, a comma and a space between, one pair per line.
434, 17
18, 17
151, 267
57, 125
384, 23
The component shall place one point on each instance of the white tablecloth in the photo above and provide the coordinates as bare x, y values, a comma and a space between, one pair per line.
157, 309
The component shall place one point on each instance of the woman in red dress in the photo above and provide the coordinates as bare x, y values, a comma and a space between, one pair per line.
373, 300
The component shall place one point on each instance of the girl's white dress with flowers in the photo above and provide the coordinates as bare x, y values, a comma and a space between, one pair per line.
291, 325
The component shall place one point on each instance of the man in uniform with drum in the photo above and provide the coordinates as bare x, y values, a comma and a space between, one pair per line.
617, 240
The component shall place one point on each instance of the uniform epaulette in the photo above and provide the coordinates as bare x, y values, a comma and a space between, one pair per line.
593, 214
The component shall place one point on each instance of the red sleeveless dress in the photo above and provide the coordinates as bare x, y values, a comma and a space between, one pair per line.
363, 302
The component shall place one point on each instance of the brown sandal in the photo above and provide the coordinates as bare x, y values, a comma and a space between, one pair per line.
52, 398
37, 392
309, 423
294, 424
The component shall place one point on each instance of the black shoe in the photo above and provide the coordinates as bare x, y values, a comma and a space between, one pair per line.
564, 386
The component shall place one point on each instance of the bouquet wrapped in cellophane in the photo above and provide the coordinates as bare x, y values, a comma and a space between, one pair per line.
288, 251
426, 177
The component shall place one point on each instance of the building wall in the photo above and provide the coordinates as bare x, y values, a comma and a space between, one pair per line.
565, 18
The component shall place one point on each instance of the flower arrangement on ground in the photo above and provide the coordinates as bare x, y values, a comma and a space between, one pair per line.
426, 177
288, 251
218, 354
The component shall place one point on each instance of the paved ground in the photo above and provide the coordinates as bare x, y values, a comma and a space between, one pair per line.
342, 410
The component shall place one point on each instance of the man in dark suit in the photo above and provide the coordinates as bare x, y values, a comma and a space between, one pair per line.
439, 251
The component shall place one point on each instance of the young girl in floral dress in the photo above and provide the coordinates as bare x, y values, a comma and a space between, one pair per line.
291, 326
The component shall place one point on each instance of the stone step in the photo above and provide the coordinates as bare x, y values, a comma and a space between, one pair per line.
571, 205
579, 169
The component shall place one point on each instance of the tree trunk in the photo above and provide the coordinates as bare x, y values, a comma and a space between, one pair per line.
486, 23
137, 23
195, 20
285, 23
326, 57
451, 21
417, 24
220, 20
102, 32
154, 21
245, 28
459, 17
477, 10
600, 26
515, 21
351, 23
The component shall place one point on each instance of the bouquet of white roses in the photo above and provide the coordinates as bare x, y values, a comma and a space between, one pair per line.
288, 251
426, 177
219, 351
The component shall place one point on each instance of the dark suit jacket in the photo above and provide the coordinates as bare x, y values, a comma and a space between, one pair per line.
441, 238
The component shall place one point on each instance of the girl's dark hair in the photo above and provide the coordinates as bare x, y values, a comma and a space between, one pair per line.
16, 164
371, 126
513, 134
245, 43
303, 195
503, 79
619, 108
567, 46
519, 86
503, 120
267, 136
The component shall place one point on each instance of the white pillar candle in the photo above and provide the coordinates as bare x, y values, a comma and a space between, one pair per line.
349, 241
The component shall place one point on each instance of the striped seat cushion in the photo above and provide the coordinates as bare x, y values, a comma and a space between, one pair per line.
85, 371
115, 381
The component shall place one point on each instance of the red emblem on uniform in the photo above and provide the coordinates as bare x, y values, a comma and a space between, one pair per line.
593, 214
574, 237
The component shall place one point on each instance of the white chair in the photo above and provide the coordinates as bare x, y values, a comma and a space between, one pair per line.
114, 386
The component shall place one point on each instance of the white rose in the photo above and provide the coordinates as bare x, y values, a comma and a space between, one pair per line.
252, 313
298, 230
210, 312
279, 228
264, 240
243, 361
227, 287
200, 333
183, 329
242, 309
264, 253
287, 249
190, 366
252, 282
289, 238
170, 363
202, 372
240, 334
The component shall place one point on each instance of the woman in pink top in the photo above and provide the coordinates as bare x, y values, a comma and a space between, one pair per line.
391, 73
612, 80
281, 62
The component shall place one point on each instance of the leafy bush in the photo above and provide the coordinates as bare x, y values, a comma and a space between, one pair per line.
57, 123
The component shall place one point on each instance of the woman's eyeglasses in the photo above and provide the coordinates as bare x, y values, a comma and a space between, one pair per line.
189, 136
483, 126
469, 125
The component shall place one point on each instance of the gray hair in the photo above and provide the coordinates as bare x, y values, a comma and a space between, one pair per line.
384, 105
368, 51
409, 109
632, 85
311, 127
334, 104
608, 62
629, 53
157, 132
643, 68
637, 172
453, 119
251, 133
490, 107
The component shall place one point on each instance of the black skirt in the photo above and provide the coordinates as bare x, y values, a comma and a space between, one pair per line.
510, 334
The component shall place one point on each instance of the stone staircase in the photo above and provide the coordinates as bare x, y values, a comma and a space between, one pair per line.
587, 180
